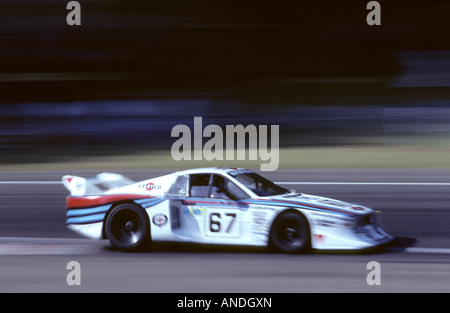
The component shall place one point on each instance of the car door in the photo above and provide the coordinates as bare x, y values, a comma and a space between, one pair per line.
216, 207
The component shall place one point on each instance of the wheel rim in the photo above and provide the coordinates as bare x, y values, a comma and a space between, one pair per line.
290, 235
127, 227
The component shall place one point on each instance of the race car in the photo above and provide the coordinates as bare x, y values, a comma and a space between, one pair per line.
215, 206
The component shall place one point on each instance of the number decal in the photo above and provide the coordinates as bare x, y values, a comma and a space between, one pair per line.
233, 215
222, 222
214, 222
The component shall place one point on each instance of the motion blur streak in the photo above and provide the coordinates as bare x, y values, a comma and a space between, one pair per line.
134, 69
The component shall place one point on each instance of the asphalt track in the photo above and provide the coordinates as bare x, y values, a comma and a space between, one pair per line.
35, 246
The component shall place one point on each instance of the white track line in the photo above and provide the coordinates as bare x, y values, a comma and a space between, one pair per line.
428, 250
37, 182
41, 182
57, 246
46, 246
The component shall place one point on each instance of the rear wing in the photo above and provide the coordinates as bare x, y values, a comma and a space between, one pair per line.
79, 186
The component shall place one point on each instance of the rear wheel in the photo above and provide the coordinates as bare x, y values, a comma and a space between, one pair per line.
290, 233
128, 227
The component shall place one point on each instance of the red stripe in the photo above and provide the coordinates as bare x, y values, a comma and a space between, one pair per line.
74, 202
193, 202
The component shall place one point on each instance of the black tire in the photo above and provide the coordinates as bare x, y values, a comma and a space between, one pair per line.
128, 227
290, 233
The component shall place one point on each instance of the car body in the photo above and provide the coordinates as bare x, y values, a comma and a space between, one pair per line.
217, 206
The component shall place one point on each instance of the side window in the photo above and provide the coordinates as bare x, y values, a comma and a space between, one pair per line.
199, 185
223, 188
235, 191
179, 187
218, 188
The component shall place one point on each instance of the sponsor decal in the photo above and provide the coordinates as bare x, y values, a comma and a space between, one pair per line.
159, 219
319, 238
194, 211
259, 226
149, 186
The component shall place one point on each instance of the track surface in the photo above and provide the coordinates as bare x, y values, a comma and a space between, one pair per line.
35, 246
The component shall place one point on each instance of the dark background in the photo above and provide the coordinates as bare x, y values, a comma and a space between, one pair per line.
135, 69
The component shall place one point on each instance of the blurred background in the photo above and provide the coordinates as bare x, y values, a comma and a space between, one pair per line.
133, 70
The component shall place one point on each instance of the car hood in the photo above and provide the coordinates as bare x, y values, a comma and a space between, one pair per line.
319, 203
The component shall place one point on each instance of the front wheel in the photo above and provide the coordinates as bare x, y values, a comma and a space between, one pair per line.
128, 227
290, 233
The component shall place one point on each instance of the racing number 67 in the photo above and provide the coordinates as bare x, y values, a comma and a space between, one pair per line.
222, 223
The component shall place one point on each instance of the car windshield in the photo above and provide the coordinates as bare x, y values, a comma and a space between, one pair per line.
259, 185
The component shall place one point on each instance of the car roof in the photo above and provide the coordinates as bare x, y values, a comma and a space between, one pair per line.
216, 170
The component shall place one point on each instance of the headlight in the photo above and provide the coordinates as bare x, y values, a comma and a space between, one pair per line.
366, 219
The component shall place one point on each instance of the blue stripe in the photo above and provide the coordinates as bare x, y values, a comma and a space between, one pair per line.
146, 203
86, 219
303, 206
97, 214
216, 201
279, 203
83, 212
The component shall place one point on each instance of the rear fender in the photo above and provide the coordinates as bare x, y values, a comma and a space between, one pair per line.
75, 184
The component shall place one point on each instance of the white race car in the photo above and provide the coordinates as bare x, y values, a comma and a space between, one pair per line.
216, 206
